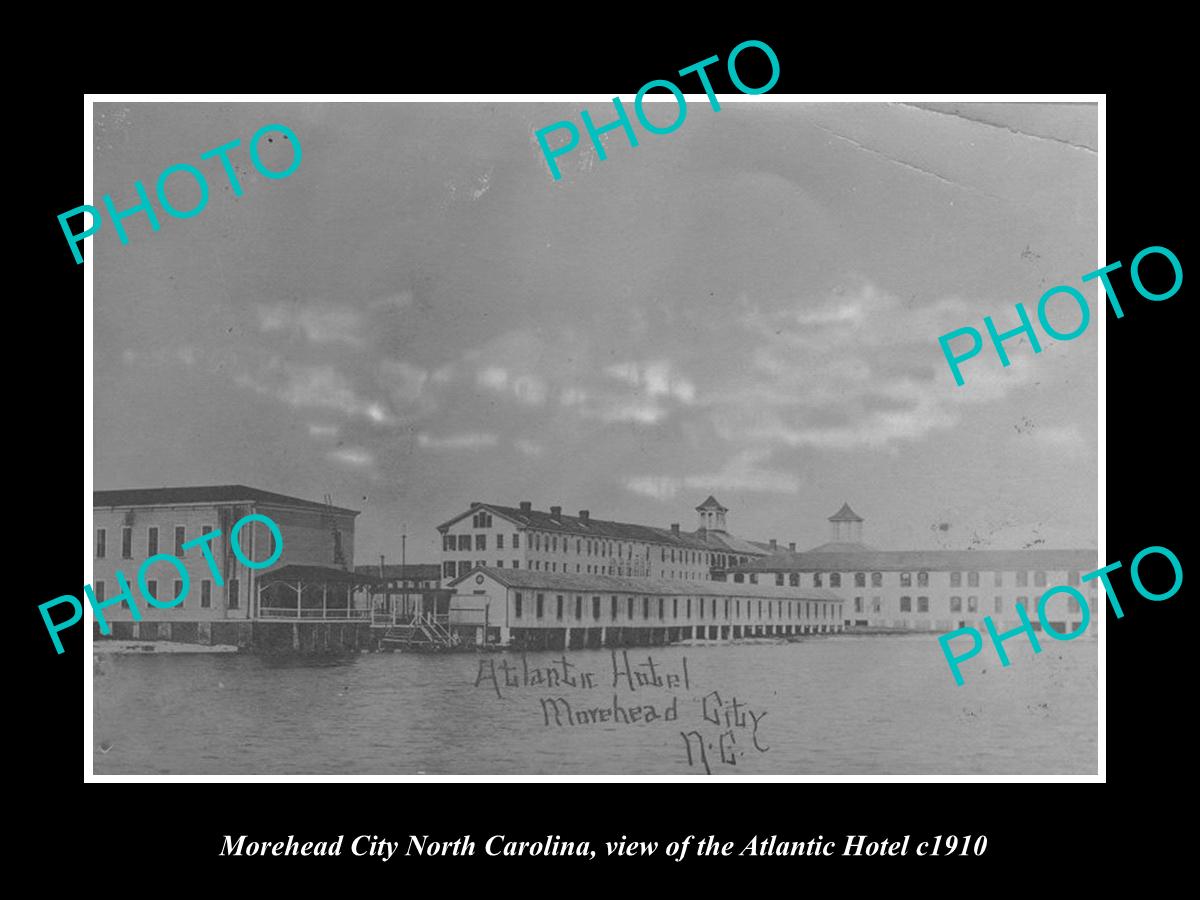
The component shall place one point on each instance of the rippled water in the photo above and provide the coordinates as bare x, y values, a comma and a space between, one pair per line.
839, 705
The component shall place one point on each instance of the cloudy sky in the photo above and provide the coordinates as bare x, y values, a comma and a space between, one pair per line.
420, 316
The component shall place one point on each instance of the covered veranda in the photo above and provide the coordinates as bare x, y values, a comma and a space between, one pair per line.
315, 593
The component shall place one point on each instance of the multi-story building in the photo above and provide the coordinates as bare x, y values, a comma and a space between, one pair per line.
935, 590
133, 525
521, 537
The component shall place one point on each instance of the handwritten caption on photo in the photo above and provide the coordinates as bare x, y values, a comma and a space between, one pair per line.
725, 729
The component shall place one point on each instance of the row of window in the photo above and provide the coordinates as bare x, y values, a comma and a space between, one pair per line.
775, 609
550, 543
956, 604
151, 541
233, 600
906, 579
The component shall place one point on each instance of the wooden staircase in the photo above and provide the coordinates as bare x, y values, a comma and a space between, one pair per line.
421, 633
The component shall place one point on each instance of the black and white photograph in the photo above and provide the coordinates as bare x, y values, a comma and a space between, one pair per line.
659, 437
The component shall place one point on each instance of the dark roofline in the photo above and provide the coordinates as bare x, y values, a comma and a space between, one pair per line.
933, 560
220, 493
541, 520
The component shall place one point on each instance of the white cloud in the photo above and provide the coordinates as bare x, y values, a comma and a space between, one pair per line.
312, 387
744, 472
467, 441
315, 430
353, 456
319, 323
528, 447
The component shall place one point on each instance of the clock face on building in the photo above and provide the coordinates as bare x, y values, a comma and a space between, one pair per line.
479, 579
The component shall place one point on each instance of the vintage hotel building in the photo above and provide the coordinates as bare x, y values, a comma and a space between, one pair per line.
505, 537
931, 590
313, 571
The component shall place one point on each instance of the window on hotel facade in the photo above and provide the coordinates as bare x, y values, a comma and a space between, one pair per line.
558, 608
876, 604
779, 579
629, 607
972, 579
922, 604
151, 541
1023, 602
835, 579
448, 569
464, 566
661, 608
906, 604
1022, 579
540, 606
127, 543
516, 564
499, 542
152, 587
972, 604
794, 579
1073, 577
447, 542
999, 604
481, 542
464, 542
180, 537
596, 608
956, 579
481, 563
235, 599
517, 605
906, 579
753, 579
956, 604
816, 579
516, 541
178, 591
876, 579
101, 545
645, 607
205, 594
860, 579
1039, 579
613, 608
100, 592
999, 579
858, 604
499, 564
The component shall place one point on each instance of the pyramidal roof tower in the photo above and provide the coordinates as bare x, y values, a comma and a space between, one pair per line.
712, 514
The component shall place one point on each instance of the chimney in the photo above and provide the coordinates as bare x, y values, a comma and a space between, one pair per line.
556, 511
380, 565
584, 514
526, 506
774, 544
674, 528
475, 503
792, 546
702, 531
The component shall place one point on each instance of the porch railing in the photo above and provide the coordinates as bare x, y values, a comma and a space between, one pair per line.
321, 615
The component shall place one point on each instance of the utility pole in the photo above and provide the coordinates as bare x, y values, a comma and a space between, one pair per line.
404, 569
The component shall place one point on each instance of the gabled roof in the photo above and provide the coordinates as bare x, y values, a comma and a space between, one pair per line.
843, 547
845, 514
528, 579
932, 560
712, 503
220, 493
620, 531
